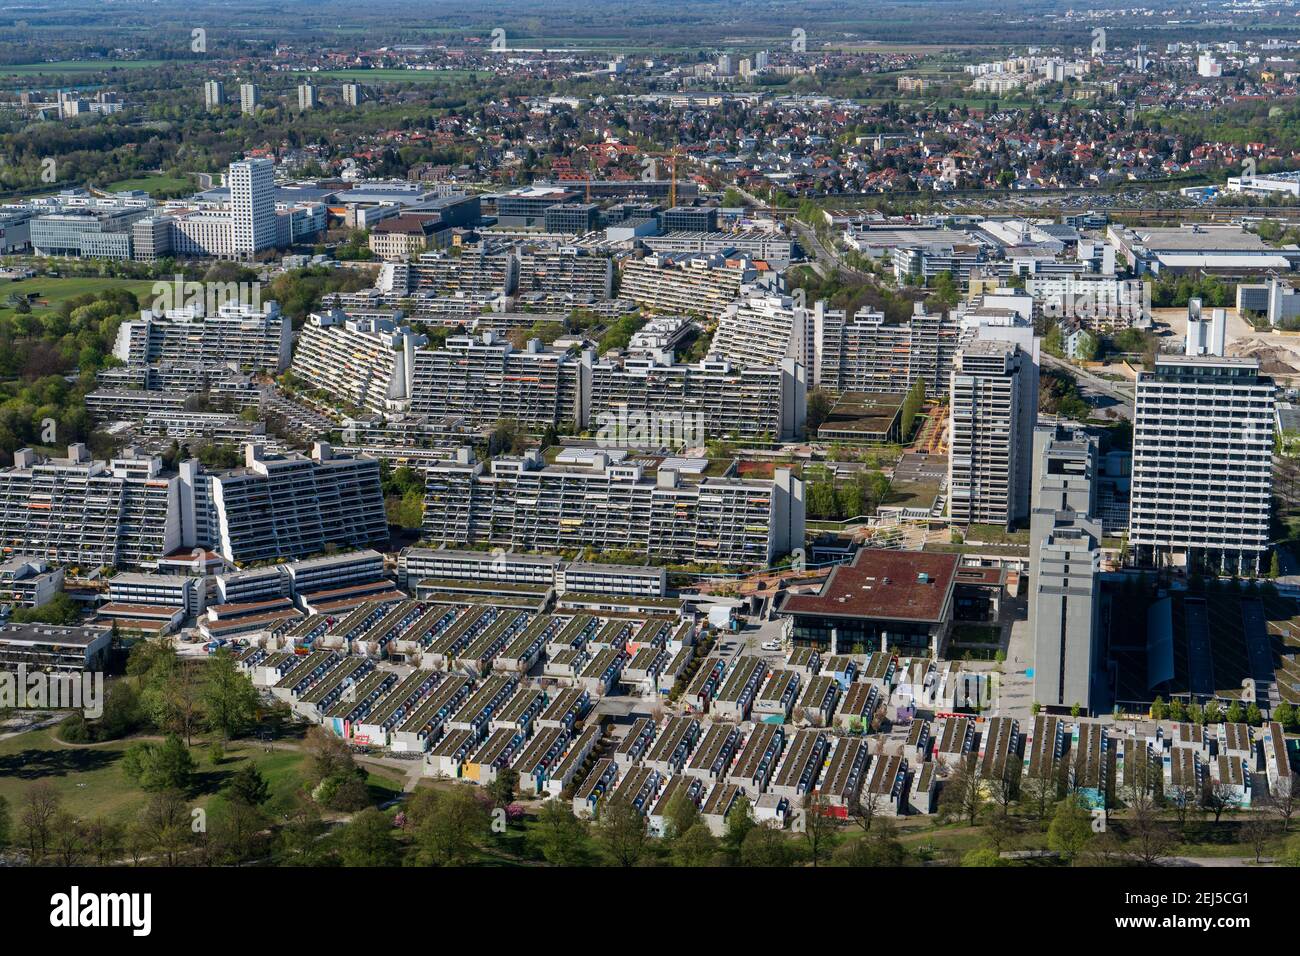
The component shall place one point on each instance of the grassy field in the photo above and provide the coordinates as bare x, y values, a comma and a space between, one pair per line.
90, 781
151, 184
76, 66
54, 291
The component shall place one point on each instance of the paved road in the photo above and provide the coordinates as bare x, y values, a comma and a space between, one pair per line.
1102, 394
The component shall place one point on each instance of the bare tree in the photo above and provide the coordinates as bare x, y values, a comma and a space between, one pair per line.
1259, 830
1182, 800
40, 804
865, 809
1218, 797
104, 840
1283, 801
1004, 787
68, 838
1149, 837
1040, 793
963, 793
820, 827
163, 827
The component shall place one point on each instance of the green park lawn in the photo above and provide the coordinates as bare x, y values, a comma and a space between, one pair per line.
90, 781
53, 291
76, 66
151, 184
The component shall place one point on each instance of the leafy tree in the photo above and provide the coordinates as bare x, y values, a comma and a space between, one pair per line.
157, 767
248, 786
450, 826
502, 789
984, 856
767, 846
818, 410
880, 847
621, 832
1284, 714
696, 846
1070, 830
368, 840
299, 842
559, 836
228, 696
681, 814
739, 822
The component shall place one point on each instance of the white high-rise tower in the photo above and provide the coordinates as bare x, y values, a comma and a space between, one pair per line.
252, 205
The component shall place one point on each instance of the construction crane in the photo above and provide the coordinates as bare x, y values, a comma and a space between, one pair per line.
672, 165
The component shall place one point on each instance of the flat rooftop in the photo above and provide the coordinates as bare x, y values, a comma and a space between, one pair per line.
891, 585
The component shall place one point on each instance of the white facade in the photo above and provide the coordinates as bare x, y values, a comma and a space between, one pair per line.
252, 205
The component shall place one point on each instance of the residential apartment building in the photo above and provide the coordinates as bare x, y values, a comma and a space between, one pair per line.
484, 379
1202, 478
214, 94
27, 581
638, 506
1064, 569
774, 248
869, 354
287, 506
722, 400
987, 400
307, 96
685, 285
258, 339
88, 514
250, 97
252, 205
366, 362
568, 270
764, 328
472, 271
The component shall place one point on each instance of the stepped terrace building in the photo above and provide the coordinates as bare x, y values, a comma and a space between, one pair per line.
650, 506
484, 379
573, 271
255, 339
288, 505
683, 284
366, 362
84, 513
473, 271
711, 397
763, 328
869, 354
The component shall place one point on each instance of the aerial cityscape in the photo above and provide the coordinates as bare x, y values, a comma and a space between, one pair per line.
727, 435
